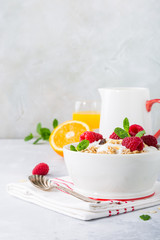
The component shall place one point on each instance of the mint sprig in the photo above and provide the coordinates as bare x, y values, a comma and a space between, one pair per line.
121, 132
72, 148
126, 124
29, 137
55, 123
39, 126
145, 217
140, 134
37, 140
81, 146
44, 133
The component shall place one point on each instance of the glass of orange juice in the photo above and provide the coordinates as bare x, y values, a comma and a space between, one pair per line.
88, 112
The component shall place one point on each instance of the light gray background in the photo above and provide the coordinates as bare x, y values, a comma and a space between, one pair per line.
53, 52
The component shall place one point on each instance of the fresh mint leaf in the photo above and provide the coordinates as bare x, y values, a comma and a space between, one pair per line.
126, 124
29, 137
140, 134
72, 148
145, 217
121, 132
83, 145
45, 133
55, 123
39, 126
37, 140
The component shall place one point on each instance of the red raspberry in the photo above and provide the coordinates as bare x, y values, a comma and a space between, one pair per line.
98, 136
134, 129
114, 136
90, 136
150, 140
133, 143
40, 169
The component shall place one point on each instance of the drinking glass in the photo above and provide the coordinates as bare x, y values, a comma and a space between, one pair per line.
88, 112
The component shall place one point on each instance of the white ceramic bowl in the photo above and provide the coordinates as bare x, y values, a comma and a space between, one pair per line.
113, 176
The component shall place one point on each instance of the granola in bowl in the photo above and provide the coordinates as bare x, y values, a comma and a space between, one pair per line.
130, 140
114, 147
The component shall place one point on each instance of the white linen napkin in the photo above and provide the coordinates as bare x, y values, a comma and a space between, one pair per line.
64, 203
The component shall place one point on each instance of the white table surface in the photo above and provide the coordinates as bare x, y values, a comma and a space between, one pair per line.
20, 220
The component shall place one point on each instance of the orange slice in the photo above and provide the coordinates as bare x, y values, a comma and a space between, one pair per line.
66, 133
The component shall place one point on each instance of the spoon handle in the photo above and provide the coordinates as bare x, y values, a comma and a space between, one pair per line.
46, 184
75, 194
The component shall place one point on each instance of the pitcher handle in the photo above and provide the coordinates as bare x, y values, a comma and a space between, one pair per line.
149, 104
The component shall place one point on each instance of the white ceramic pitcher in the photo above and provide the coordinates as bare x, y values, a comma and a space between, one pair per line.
118, 103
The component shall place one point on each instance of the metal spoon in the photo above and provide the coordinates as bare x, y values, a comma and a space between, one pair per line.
45, 184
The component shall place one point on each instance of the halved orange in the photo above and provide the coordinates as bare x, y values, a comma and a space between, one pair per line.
66, 133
